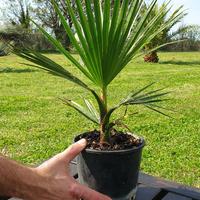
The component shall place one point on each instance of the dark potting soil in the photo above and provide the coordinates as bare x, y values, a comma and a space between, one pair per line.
118, 141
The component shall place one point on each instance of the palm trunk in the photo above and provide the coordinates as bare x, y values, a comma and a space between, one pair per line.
151, 57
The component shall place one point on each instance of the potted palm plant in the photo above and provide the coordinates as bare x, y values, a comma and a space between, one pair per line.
109, 34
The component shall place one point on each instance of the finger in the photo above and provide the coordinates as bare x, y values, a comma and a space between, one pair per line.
83, 192
72, 151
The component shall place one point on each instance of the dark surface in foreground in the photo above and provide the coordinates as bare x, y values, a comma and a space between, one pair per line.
152, 188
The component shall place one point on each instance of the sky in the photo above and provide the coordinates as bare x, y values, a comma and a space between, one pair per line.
193, 10
192, 6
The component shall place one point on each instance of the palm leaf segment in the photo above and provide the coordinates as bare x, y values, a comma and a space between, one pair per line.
108, 38
89, 111
43, 62
143, 97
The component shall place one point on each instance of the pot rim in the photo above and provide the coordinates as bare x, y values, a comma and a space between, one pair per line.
124, 151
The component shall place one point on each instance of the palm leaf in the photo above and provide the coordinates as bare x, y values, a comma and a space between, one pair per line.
142, 98
82, 49
62, 50
43, 62
89, 111
147, 99
92, 110
109, 37
157, 110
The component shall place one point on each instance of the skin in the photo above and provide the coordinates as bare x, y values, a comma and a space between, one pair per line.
49, 181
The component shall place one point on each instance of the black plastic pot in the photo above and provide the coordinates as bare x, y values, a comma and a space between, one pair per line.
114, 173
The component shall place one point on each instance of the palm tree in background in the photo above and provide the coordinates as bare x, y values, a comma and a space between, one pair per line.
165, 35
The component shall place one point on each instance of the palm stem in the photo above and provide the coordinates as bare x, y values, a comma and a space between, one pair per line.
103, 131
104, 97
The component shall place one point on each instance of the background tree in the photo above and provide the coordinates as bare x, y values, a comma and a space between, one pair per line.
162, 37
48, 18
191, 35
17, 13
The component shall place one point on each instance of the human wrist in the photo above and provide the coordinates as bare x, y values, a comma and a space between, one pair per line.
31, 185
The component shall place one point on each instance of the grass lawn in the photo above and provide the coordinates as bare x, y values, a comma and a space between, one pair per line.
35, 125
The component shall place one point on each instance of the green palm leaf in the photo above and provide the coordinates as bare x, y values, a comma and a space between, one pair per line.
144, 98
89, 111
109, 37
140, 97
43, 62
62, 50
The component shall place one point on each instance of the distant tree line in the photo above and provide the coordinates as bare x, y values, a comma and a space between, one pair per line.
190, 37
19, 13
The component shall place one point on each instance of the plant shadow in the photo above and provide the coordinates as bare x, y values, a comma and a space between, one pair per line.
174, 62
14, 70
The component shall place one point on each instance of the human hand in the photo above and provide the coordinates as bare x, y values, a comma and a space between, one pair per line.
57, 183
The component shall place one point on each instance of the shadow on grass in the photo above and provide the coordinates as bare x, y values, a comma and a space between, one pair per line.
14, 70
174, 62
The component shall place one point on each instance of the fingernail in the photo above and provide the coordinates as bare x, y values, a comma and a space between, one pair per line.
82, 142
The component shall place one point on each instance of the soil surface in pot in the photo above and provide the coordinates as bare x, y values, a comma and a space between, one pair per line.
118, 141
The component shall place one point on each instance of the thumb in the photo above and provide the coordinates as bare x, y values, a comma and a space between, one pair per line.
72, 151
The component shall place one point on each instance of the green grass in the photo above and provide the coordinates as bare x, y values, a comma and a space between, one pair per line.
35, 125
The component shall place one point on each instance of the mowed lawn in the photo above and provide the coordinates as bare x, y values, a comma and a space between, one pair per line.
35, 125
